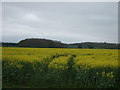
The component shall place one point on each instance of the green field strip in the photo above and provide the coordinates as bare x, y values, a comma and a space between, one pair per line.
71, 62
71, 72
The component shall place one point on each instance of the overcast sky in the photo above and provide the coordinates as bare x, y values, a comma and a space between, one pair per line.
67, 22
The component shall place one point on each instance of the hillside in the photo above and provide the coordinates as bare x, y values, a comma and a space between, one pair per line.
46, 43
41, 43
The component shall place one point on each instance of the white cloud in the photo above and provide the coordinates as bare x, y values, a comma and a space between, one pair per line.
31, 17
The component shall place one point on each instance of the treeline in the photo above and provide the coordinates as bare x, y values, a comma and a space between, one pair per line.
45, 43
96, 45
9, 44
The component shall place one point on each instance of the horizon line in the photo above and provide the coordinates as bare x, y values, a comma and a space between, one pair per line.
60, 41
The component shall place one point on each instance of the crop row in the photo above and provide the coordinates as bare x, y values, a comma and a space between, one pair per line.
82, 68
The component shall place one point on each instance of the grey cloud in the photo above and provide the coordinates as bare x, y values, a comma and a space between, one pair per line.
67, 22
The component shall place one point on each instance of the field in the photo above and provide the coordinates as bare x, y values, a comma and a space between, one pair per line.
60, 68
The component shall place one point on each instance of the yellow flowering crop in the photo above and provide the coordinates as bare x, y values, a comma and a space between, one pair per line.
60, 67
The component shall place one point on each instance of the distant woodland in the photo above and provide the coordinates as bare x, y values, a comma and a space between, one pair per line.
46, 43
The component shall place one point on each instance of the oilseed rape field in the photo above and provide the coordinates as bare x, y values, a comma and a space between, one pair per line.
60, 68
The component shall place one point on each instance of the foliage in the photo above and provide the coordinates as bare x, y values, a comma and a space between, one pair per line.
63, 68
46, 43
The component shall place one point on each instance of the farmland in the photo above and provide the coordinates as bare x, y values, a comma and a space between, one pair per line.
60, 68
